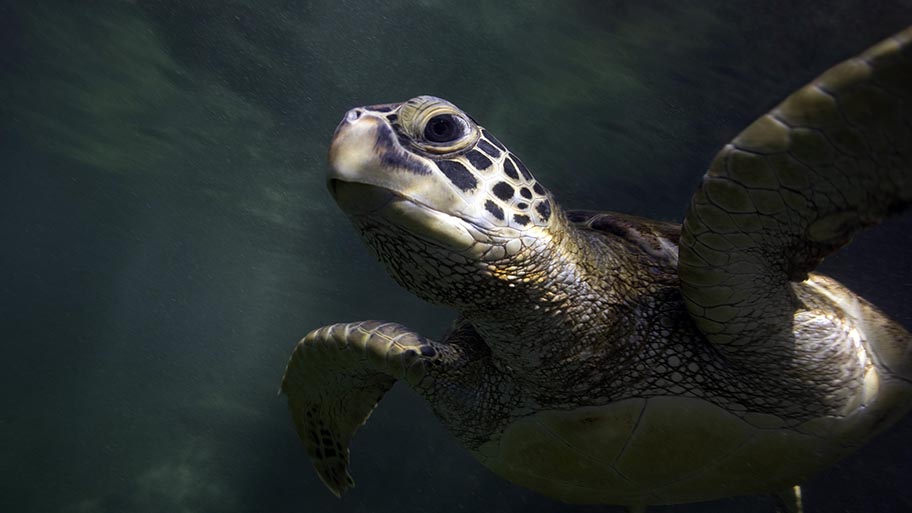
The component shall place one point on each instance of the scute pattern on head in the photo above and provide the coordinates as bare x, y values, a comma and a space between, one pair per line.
511, 186
478, 164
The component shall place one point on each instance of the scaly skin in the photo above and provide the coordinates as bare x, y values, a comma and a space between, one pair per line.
568, 333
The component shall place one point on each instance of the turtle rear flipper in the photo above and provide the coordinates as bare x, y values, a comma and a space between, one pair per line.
796, 185
334, 379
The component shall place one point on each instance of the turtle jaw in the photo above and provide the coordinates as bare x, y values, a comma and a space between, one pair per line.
365, 201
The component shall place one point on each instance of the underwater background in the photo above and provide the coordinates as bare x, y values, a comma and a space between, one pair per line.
166, 235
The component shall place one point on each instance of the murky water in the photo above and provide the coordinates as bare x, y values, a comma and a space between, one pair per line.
167, 236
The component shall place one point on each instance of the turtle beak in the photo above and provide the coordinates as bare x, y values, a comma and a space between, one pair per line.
355, 177
366, 150
370, 173
351, 151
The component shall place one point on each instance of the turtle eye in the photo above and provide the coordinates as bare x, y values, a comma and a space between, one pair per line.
437, 127
444, 128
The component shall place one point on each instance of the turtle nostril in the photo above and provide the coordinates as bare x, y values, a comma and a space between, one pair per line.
353, 114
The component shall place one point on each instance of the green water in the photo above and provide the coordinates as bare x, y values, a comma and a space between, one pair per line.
166, 236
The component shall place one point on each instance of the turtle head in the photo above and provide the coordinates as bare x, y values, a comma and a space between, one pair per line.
428, 166
425, 183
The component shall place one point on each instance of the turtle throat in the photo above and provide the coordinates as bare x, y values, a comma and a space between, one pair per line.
542, 311
520, 292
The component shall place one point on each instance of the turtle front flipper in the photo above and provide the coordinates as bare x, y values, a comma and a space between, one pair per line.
796, 185
334, 379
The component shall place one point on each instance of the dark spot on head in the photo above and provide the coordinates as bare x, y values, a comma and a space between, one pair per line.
526, 193
402, 160
522, 169
488, 148
544, 208
392, 156
522, 205
510, 169
384, 139
503, 191
493, 140
478, 159
458, 174
392, 118
496, 211
538, 189
428, 351
521, 219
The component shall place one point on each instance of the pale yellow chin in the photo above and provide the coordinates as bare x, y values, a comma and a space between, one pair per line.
361, 200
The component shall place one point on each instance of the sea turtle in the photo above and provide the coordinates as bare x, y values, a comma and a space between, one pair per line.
604, 358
